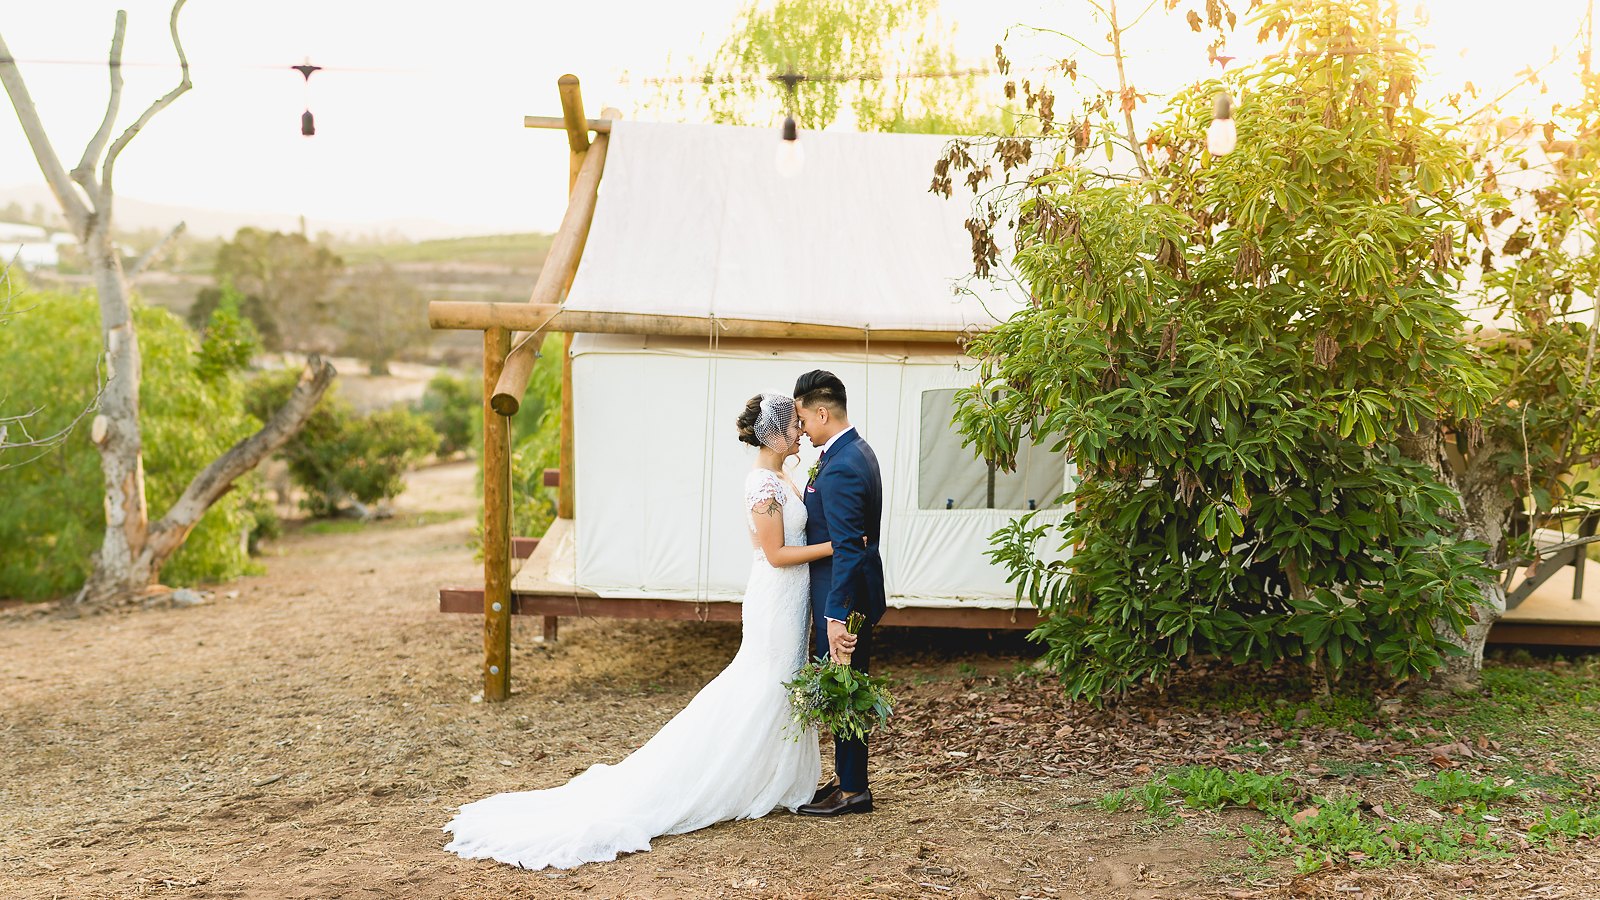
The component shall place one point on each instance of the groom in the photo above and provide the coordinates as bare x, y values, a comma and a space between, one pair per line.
844, 504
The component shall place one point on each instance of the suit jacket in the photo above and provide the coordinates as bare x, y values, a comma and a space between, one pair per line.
843, 504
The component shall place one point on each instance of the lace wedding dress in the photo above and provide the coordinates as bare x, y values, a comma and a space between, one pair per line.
733, 753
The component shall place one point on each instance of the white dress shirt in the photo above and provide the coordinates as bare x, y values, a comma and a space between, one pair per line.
831, 441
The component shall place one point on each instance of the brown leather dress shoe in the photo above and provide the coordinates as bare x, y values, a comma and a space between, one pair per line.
823, 792
837, 804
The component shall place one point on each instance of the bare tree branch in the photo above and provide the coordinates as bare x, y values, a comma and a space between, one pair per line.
218, 478
1136, 19
166, 100
154, 252
77, 211
83, 173
1123, 89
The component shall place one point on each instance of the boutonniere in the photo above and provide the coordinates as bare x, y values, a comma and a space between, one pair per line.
811, 474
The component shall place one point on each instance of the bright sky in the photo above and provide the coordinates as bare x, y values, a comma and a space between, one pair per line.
437, 133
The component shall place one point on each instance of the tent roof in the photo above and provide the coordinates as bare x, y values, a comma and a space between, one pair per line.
694, 220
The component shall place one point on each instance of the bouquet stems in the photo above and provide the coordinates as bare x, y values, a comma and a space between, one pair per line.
852, 626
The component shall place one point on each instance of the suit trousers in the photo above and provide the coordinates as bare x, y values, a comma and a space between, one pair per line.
849, 757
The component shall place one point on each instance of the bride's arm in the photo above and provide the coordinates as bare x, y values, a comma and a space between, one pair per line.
768, 515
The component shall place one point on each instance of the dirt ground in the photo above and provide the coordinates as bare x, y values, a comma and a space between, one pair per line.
306, 733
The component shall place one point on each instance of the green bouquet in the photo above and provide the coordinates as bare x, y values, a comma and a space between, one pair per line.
832, 696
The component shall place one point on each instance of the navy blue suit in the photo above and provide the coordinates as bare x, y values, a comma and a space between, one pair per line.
844, 504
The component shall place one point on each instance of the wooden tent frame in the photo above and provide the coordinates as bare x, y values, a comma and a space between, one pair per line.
512, 333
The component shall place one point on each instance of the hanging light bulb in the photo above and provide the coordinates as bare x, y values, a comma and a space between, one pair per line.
791, 157
1222, 136
308, 125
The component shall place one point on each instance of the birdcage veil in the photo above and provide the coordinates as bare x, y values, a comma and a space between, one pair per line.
772, 425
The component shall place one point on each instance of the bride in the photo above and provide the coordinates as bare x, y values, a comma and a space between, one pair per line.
734, 752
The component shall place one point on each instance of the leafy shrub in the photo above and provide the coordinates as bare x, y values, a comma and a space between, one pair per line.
451, 404
192, 410
340, 455
535, 445
1234, 351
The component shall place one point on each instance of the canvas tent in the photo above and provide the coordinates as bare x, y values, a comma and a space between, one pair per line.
700, 276
693, 220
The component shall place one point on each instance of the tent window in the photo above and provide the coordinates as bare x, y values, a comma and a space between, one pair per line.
950, 476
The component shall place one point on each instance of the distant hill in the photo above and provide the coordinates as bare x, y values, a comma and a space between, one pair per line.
134, 214
525, 252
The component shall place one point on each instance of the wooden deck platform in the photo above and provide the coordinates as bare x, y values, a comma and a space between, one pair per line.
1549, 616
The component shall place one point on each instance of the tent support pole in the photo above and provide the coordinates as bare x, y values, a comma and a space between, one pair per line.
496, 526
584, 166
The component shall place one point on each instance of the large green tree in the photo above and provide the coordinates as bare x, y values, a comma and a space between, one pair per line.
889, 63
1242, 354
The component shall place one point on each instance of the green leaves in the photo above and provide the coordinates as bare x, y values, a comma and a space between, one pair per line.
1231, 351
191, 412
838, 699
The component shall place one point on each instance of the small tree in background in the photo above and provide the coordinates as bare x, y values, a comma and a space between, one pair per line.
342, 456
451, 404
382, 317
288, 280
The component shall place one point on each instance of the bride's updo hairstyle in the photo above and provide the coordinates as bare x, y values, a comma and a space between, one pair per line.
747, 421
766, 420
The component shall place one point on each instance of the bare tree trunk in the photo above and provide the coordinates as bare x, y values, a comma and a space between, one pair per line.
1485, 516
116, 432
132, 550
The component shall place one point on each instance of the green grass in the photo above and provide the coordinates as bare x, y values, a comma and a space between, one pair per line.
403, 520
519, 250
1450, 787
334, 526
1533, 781
1555, 698
1321, 830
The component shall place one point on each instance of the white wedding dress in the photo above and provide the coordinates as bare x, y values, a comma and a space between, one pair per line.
734, 752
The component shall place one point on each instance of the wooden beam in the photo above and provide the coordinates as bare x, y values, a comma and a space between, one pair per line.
557, 271
598, 126
477, 315
467, 600
470, 600
1554, 634
473, 315
496, 600
572, 117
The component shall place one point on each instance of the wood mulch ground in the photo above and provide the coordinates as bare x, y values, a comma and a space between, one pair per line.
305, 733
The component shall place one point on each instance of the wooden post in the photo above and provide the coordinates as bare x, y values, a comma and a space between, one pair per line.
496, 525
578, 142
566, 499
